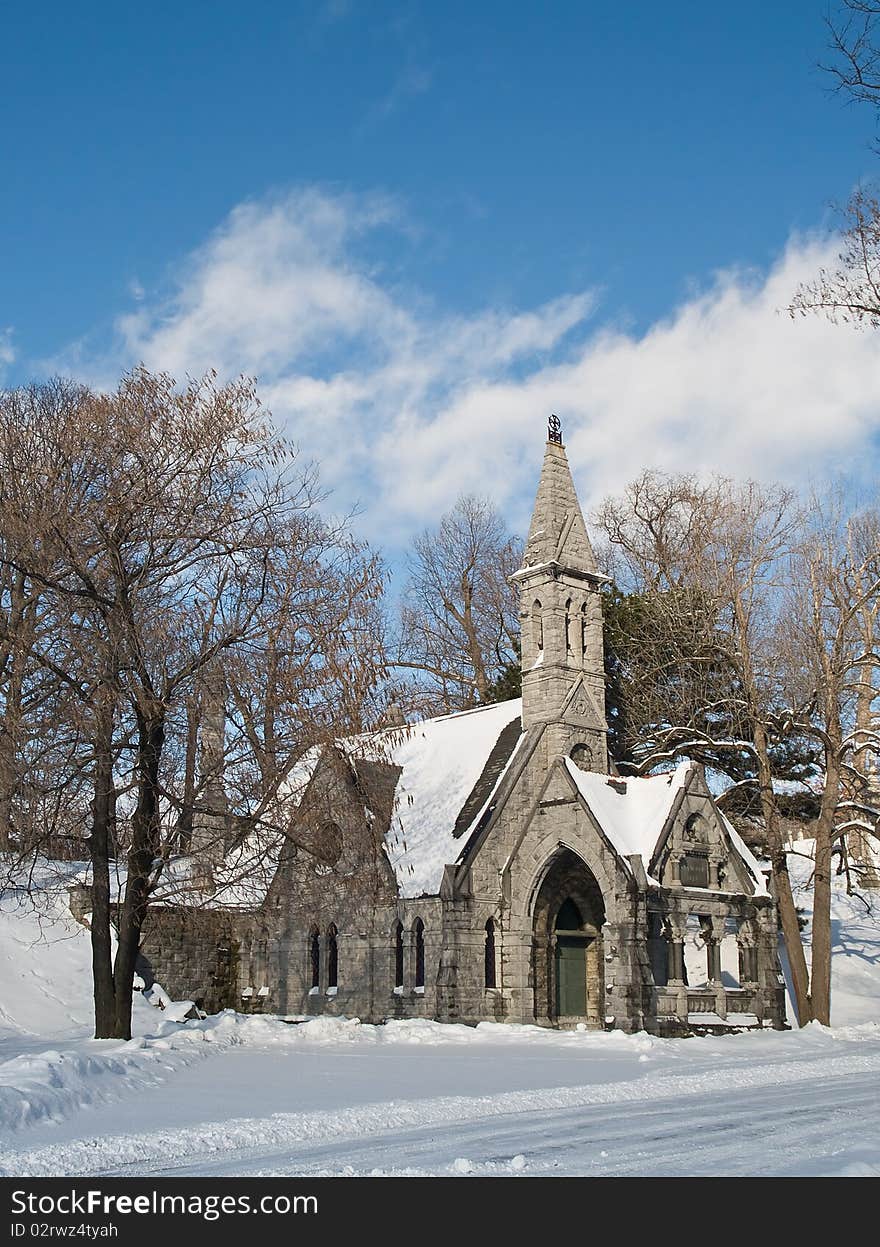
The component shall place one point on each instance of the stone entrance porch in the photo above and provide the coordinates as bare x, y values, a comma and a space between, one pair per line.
567, 942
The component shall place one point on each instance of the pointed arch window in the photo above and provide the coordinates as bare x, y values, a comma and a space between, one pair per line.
489, 970
315, 957
569, 627
538, 625
419, 949
332, 958
398, 955
696, 830
584, 625
260, 960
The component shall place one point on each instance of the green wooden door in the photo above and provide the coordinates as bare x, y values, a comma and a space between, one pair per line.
571, 977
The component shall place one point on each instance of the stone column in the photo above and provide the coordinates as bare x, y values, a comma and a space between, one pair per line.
674, 961
713, 949
676, 965
748, 955
713, 933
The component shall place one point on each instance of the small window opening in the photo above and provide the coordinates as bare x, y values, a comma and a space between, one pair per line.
490, 954
419, 934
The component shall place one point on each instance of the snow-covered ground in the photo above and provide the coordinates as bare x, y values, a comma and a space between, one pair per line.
232, 1095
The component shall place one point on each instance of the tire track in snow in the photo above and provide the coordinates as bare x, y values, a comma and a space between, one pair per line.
246, 1140
759, 1132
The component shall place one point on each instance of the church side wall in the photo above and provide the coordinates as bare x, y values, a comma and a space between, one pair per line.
194, 955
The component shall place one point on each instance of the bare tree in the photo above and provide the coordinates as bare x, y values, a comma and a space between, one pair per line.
459, 619
750, 644
853, 43
834, 585
850, 293
41, 777
154, 521
316, 671
713, 557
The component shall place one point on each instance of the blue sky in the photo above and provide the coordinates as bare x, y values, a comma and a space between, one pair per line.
422, 225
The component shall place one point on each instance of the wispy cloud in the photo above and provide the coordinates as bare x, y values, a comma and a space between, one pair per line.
412, 81
406, 405
7, 350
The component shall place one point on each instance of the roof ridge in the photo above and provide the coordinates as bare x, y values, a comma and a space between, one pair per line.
438, 718
460, 714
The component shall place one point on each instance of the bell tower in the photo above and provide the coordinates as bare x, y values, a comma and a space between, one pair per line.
563, 669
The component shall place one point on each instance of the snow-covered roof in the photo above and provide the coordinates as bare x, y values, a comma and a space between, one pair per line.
747, 855
441, 761
633, 812
443, 792
242, 879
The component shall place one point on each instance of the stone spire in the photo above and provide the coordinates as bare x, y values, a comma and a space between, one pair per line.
558, 533
561, 616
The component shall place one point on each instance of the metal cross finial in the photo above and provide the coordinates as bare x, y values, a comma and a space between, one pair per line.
554, 430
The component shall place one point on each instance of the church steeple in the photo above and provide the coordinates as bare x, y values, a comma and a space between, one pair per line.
561, 616
558, 533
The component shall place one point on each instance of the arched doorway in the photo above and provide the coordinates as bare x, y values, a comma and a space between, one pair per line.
567, 944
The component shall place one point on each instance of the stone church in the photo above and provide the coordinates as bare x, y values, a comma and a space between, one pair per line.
489, 864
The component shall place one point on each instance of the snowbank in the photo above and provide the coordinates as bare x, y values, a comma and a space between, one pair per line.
623, 1082
855, 933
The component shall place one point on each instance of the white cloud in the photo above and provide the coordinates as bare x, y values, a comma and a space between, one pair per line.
8, 352
405, 406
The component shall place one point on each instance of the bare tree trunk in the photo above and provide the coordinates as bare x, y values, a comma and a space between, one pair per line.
144, 847
864, 752
820, 979
7, 787
791, 933
475, 652
820, 987
99, 850
16, 647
